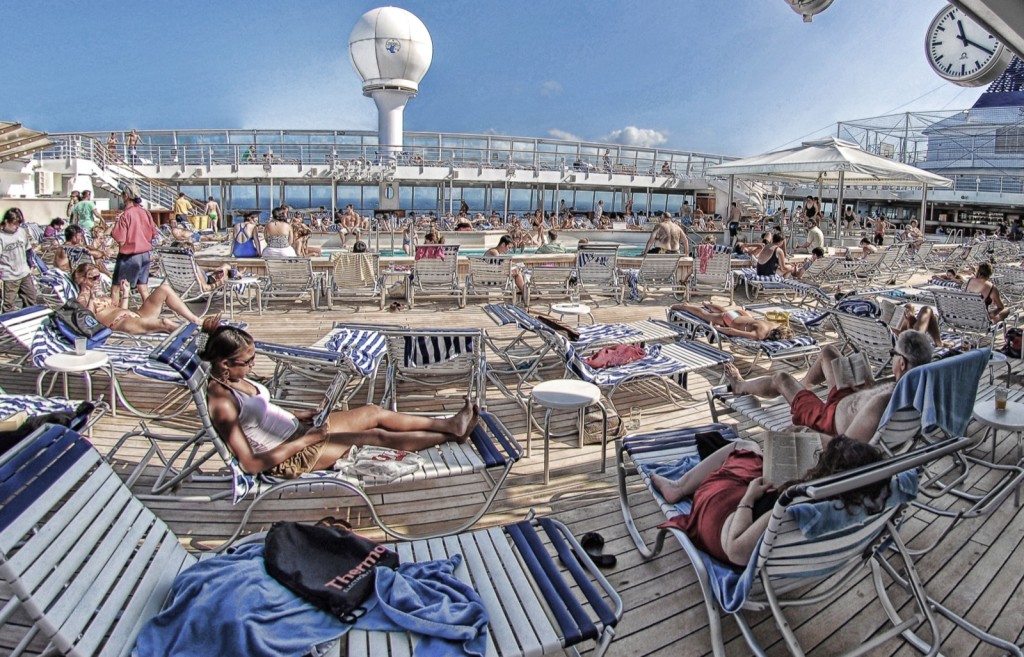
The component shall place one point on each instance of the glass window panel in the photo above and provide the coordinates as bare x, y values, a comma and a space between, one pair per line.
371, 199
243, 197
348, 194
320, 195
297, 196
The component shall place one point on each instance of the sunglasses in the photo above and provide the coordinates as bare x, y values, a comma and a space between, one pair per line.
94, 277
243, 363
893, 352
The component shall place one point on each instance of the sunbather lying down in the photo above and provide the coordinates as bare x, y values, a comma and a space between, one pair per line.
118, 317
736, 322
267, 438
853, 412
732, 501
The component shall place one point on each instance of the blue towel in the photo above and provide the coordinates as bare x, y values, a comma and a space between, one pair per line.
426, 598
730, 584
820, 518
229, 605
943, 391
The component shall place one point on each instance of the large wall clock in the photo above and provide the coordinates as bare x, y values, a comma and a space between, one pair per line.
962, 51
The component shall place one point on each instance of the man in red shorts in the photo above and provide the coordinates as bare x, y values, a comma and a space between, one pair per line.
853, 412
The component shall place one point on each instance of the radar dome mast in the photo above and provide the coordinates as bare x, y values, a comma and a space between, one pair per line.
391, 50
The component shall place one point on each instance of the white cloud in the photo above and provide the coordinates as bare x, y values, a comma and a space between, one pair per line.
555, 133
550, 88
494, 132
634, 136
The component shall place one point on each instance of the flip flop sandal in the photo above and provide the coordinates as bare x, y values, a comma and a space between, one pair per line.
592, 543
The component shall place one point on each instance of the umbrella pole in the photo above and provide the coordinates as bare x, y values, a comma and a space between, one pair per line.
838, 212
924, 207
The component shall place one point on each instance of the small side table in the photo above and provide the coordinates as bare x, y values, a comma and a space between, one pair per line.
577, 309
248, 291
70, 363
1011, 419
565, 395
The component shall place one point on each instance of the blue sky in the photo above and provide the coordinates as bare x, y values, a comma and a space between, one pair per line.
736, 77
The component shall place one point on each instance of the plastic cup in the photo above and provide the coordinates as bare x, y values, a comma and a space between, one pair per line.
635, 415
1001, 395
81, 345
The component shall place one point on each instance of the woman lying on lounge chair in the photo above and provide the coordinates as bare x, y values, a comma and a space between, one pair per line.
267, 438
118, 317
732, 501
737, 322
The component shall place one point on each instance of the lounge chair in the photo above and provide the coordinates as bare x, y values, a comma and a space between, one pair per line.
86, 564
658, 271
715, 279
356, 277
548, 283
965, 314
797, 347
489, 276
291, 279
597, 271
430, 360
490, 451
435, 272
184, 276
795, 553
796, 290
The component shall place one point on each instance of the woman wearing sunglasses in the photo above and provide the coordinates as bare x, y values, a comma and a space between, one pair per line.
117, 316
267, 438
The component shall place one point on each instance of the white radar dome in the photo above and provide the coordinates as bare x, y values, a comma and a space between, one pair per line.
390, 49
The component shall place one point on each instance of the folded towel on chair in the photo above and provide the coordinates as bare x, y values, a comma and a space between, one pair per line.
943, 391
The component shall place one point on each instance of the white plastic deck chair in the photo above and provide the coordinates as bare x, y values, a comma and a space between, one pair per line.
966, 314
291, 279
86, 564
715, 279
428, 361
356, 277
658, 271
184, 276
491, 451
20, 328
597, 271
489, 276
435, 272
549, 283
794, 554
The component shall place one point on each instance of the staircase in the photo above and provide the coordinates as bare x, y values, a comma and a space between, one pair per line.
109, 170
748, 194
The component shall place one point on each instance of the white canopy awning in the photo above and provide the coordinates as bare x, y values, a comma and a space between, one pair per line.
823, 161
17, 141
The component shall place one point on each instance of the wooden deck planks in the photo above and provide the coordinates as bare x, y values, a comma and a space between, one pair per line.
971, 571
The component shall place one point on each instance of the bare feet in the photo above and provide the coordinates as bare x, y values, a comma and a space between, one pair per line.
671, 490
168, 325
465, 420
732, 373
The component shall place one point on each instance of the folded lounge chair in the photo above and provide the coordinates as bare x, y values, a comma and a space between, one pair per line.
84, 564
807, 541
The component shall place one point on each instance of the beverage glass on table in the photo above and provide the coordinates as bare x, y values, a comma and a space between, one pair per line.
1001, 395
81, 344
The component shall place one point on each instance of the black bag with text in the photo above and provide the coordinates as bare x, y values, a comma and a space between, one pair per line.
74, 320
328, 566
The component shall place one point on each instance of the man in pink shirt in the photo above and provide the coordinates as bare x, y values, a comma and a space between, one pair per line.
134, 231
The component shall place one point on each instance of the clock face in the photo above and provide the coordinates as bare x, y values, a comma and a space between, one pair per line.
962, 51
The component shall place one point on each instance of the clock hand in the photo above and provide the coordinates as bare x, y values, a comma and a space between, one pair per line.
977, 45
962, 37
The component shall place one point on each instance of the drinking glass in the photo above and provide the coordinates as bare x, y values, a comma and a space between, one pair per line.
635, 415
1001, 395
81, 344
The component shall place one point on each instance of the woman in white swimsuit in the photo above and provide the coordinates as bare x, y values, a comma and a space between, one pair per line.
267, 438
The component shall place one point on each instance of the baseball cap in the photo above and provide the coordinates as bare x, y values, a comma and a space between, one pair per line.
130, 190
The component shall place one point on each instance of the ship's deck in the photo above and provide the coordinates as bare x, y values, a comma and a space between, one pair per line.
972, 571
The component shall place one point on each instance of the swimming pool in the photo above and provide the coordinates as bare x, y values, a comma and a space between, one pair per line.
626, 251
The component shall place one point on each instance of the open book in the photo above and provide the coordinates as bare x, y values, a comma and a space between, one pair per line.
788, 456
852, 370
893, 313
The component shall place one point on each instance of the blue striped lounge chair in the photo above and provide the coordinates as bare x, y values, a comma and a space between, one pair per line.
799, 346
490, 451
808, 541
85, 565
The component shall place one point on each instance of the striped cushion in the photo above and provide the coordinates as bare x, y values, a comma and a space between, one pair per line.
363, 349
777, 347
604, 332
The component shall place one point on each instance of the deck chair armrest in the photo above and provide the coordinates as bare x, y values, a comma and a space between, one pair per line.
571, 617
489, 436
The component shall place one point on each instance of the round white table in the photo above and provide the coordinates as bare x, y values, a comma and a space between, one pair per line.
576, 309
1011, 419
565, 395
71, 363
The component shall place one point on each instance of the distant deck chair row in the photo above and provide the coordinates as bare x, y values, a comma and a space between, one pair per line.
85, 565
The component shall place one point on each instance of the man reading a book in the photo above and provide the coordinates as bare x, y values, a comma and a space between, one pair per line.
855, 403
